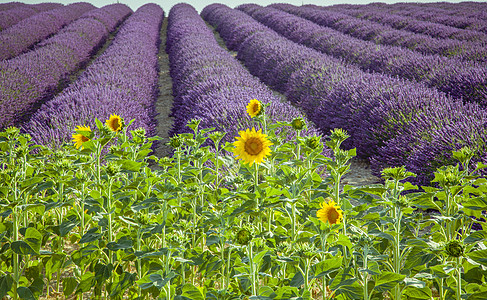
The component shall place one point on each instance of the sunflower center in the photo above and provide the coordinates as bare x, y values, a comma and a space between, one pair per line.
253, 146
84, 139
333, 216
115, 124
256, 108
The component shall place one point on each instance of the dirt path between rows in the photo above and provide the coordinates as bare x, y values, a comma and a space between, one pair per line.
360, 173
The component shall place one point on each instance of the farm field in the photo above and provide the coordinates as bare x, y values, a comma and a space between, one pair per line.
255, 152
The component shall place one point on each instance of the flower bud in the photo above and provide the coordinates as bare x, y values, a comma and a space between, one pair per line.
454, 248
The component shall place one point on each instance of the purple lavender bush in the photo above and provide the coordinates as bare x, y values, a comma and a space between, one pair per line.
375, 109
122, 81
211, 85
434, 70
21, 36
32, 78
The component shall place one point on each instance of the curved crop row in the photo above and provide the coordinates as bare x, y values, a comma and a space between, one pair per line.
417, 26
122, 81
386, 35
440, 16
381, 113
210, 84
454, 77
10, 5
13, 16
31, 78
21, 36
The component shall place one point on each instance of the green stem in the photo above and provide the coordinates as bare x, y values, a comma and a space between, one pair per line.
16, 256
366, 253
252, 271
109, 210
459, 279
293, 221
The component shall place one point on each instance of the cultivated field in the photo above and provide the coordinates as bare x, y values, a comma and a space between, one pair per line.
155, 154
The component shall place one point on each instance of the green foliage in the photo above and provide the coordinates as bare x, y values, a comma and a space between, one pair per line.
110, 220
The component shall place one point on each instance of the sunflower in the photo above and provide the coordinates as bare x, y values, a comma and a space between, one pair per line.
330, 212
79, 138
115, 123
252, 146
254, 108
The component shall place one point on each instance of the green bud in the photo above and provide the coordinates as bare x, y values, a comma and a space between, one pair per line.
113, 169
454, 248
298, 124
243, 237
175, 142
313, 142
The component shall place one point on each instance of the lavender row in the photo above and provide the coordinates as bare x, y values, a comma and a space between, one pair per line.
18, 38
13, 16
390, 120
439, 16
455, 77
122, 81
10, 5
417, 26
31, 78
386, 35
211, 85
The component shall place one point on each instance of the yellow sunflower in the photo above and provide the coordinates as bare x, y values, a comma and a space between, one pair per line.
115, 123
78, 138
254, 108
252, 146
330, 212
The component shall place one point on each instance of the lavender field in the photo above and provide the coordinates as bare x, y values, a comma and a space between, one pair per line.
166, 153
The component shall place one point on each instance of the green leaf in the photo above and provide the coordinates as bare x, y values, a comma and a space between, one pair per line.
192, 292
33, 238
67, 225
479, 256
103, 272
157, 280
25, 293
478, 203
326, 266
416, 293
351, 291
87, 282
344, 241
90, 236
131, 165
248, 205
69, 285
123, 243
387, 281
6, 283
476, 236
22, 248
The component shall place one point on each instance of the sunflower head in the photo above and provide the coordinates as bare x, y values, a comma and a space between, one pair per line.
454, 248
298, 124
330, 212
252, 146
254, 108
81, 136
243, 237
115, 123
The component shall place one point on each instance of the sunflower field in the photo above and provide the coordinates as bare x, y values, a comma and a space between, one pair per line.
270, 106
